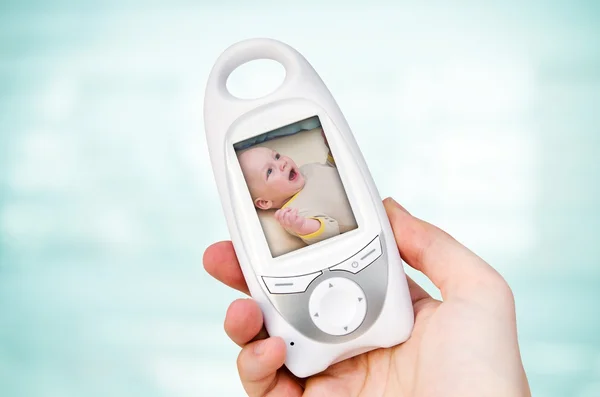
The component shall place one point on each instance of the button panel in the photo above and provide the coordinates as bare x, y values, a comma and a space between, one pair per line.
362, 259
337, 306
289, 285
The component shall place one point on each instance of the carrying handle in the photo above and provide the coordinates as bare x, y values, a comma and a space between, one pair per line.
220, 103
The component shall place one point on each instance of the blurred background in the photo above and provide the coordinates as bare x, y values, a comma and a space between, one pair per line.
482, 118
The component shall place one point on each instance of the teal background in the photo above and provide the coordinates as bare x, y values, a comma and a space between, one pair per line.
481, 118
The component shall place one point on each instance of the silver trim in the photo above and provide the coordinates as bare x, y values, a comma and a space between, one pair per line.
373, 280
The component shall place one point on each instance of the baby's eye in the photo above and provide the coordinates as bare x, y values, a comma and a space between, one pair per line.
277, 156
269, 172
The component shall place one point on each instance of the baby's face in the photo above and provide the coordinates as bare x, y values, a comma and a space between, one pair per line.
271, 177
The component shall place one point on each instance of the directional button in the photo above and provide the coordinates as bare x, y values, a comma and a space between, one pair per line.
339, 306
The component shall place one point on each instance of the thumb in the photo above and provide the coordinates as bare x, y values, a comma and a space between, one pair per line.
453, 268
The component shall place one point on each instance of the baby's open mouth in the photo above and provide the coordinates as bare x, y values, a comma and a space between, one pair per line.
293, 174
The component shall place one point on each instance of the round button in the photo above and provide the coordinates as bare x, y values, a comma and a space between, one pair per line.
337, 306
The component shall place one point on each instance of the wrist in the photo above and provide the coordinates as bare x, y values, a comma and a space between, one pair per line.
309, 226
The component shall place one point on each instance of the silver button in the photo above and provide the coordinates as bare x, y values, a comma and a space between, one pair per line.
362, 259
289, 285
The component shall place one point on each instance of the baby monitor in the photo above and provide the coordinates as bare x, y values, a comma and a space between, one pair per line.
305, 217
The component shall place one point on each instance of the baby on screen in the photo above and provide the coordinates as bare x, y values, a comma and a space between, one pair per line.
311, 199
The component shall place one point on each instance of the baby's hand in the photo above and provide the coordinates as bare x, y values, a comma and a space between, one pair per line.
289, 219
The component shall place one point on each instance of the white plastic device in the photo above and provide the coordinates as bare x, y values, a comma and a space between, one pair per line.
334, 299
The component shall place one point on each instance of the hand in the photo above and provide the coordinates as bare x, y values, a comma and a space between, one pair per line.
289, 219
463, 346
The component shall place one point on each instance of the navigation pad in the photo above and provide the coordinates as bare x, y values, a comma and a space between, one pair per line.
337, 306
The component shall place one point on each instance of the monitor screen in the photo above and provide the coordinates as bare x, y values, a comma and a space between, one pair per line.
293, 180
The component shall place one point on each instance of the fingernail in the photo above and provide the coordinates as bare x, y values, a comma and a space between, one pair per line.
397, 205
392, 201
259, 347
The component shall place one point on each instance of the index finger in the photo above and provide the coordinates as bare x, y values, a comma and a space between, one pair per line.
220, 261
452, 267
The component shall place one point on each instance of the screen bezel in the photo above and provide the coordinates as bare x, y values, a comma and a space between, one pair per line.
320, 255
